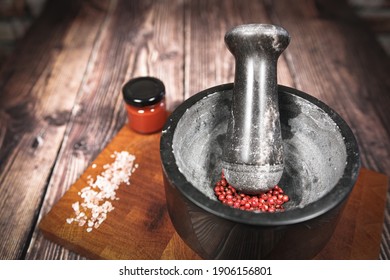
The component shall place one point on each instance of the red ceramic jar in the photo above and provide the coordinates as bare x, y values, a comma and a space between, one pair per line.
145, 104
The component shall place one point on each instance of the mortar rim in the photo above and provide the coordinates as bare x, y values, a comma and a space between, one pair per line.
326, 203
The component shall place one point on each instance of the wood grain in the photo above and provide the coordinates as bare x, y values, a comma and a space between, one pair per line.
352, 80
208, 62
100, 98
36, 103
358, 233
60, 100
139, 227
346, 79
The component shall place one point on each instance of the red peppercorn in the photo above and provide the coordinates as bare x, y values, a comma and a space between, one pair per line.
270, 201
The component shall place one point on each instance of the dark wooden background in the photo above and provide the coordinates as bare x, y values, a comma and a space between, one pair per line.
60, 99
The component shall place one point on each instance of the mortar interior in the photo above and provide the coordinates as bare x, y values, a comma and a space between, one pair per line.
315, 151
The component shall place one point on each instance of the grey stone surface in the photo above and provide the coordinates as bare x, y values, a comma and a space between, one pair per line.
253, 151
315, 151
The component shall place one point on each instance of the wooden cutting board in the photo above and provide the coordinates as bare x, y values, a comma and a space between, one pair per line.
139, 227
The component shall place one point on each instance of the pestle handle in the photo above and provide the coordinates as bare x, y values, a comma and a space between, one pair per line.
253, 152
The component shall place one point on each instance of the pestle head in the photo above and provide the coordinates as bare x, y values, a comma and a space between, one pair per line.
252, 159
252, 179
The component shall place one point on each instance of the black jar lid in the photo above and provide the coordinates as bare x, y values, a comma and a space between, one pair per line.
143, 91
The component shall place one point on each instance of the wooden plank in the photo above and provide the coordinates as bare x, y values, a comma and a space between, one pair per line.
139, 226
342, 67
330, 69
38, 93
375, 13
347, 69
208, 62
358, 232
139, 38
385, 244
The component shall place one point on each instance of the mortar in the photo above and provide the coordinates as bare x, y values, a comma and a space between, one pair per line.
321, 165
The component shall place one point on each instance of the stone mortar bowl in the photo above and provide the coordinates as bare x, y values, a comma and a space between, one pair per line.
321, 167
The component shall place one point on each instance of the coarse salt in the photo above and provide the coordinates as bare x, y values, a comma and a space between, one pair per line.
97, 196
76, 206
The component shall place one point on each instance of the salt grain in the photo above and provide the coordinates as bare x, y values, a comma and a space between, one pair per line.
76, 206
97, 196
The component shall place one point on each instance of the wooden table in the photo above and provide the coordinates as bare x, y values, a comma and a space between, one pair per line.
61, 102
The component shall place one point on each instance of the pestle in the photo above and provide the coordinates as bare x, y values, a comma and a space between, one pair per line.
252, 159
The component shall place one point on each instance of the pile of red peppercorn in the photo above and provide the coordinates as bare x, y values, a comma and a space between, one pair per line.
270, 201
